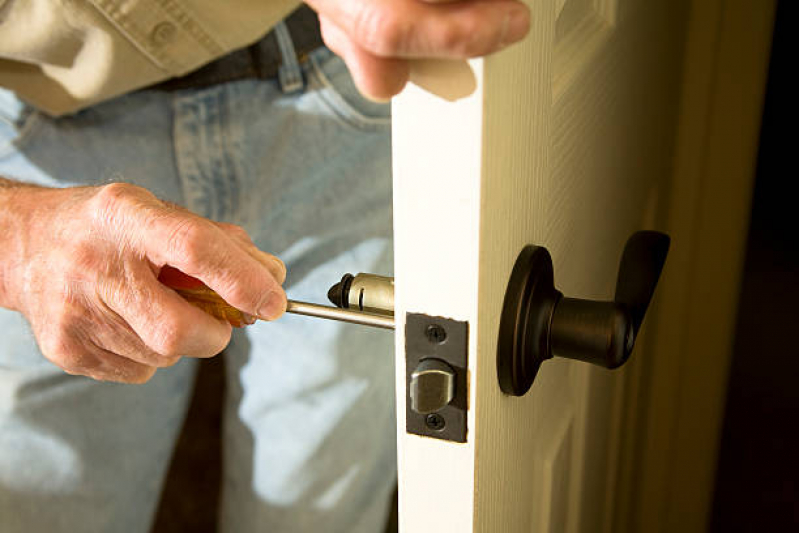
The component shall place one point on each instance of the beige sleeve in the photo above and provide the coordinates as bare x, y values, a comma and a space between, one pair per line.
61, 56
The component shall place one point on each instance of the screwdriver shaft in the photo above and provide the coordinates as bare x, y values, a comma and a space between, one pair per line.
343, 315
198, 294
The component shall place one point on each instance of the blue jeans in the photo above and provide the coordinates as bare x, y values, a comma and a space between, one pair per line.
309, 425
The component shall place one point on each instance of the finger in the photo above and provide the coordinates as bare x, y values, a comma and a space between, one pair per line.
239, 234
165, 322
202, 250
116, 336
67, 351
410, 28
275, 266
201, 296
75, 354
115, 368
377, 78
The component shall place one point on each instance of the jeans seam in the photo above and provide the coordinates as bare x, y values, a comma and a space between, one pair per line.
339, 105
29, 125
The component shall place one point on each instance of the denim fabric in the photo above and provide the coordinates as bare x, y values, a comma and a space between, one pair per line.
309, 425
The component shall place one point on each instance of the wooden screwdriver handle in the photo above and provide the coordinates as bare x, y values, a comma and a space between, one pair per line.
200, 295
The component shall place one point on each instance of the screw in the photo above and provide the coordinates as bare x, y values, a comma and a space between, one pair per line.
435, 421
436, 334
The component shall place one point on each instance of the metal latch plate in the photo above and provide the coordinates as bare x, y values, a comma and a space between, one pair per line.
448, 340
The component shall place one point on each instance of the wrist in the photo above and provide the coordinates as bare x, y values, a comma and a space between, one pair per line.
15, 213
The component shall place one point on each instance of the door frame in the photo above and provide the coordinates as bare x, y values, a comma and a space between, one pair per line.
675, 399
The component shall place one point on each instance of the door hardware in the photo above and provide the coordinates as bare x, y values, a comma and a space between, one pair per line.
538, 322
382, 321
364, 299
368, 293
432, 386
436, 393
435, 352
373, 305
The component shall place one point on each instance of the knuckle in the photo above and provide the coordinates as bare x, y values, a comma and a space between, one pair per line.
62, 351
113, 202
236, 231
187, 239
143, 354
114, 195
239, 293
168, 339
172, 342
380, 31
118, 189
449, 38
156, 359
122, 371
139, 377
478, 39
115, 293
468, 38
133, 376
395, 39
55, 343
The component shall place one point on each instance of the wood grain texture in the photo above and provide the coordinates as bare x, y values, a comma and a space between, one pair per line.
581, 28
474, 182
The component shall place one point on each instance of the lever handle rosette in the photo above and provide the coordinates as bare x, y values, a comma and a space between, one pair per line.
538, 322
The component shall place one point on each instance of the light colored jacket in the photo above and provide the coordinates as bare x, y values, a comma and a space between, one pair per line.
63, 55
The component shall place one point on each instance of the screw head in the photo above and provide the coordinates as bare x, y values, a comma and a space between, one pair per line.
435, 421
436, 334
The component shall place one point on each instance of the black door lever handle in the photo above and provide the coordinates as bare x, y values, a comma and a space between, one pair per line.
538, 322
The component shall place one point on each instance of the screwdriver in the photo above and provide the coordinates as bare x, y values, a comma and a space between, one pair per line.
371, 295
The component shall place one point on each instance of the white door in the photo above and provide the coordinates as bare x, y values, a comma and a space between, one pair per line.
566, 143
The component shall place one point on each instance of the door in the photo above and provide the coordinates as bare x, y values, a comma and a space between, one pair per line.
566, 143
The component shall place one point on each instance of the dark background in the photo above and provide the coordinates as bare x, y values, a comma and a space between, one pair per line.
758, 468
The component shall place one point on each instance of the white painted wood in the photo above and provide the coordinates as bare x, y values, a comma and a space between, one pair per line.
566, 142
445, 191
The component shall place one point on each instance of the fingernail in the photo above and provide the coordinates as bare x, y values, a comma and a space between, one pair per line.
273, 307
281, 268
517, 24
278, 262
280, 271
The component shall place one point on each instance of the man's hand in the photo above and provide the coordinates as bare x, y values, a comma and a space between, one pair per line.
82, 265
377, 37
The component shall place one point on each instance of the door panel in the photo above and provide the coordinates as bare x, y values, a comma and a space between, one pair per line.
565, 143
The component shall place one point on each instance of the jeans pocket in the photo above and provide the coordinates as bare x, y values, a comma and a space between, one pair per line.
18, 121
330, 81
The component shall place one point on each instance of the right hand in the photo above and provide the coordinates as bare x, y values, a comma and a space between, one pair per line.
85, 275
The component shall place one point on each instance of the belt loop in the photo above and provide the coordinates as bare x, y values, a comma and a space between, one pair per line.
290, 73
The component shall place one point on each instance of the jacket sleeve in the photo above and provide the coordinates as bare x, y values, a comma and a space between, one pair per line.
62, 56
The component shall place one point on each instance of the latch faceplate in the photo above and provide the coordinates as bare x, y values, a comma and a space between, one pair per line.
436, 384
